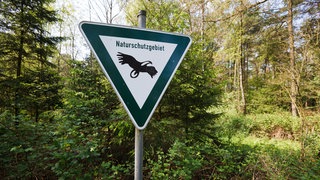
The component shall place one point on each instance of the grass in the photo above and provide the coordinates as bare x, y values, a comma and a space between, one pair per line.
281, 148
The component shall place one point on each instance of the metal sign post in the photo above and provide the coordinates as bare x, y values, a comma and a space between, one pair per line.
138, 150
138, 155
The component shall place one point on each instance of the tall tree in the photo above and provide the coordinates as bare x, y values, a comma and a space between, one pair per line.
310, 50
294, 85
237, 34
26, 48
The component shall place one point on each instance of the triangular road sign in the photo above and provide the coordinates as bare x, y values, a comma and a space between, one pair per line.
139, 63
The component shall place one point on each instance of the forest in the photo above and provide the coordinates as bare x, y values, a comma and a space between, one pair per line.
243, 104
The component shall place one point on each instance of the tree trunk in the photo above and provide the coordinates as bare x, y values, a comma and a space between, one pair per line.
19, 65
294, 86
242, 77
202, 31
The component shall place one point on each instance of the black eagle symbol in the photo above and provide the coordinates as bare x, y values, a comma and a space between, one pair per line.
136, 65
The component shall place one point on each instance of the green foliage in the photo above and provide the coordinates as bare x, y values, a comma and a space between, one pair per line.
280, 125
24, 150
181, 161
190, 95
28, 78
34, 93
261, 98
231, 162
81, 149
87, 90
274, 142
66, 148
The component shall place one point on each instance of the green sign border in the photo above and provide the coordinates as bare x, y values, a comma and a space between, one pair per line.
140, 117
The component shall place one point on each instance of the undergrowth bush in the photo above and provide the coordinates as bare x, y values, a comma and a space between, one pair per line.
282, 147
24, 150
181, 161
80, 146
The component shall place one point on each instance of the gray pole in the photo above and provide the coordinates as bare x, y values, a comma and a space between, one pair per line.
138, 156
142, 19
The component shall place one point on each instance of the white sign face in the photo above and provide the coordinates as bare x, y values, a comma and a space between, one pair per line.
140, 62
